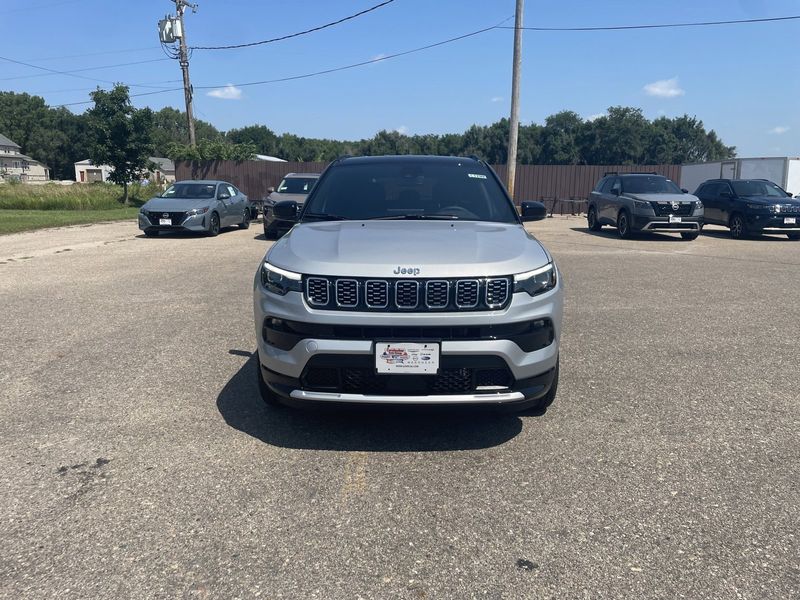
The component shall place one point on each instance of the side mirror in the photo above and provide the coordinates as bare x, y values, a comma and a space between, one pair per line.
533, 211
223, 196
684, 190
286, 210
270, 189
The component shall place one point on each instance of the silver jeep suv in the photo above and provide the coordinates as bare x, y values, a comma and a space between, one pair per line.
408, 280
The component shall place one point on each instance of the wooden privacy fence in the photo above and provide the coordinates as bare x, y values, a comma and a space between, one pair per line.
563, 188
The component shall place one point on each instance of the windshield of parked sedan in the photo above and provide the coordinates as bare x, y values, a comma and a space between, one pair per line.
190, 190
297, 185
643, 184
758, 188
410, 190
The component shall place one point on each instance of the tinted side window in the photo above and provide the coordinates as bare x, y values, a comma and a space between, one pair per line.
607, 185
231, 190
616, 185
600, 184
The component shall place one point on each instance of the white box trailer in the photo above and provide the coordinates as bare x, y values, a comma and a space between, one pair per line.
784, 171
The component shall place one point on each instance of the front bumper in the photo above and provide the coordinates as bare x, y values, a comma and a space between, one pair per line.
653, 223
771, 223
285, 370
192, 223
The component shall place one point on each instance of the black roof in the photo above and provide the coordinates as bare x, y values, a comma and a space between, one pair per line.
406, 158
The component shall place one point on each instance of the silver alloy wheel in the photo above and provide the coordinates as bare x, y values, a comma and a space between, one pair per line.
592, 218
737, 227
622, 225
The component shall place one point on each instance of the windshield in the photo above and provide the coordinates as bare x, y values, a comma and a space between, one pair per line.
645, 184
190, 190
758, 188
422, 189
296, 185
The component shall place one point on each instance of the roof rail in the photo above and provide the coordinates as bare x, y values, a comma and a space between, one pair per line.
633, 173
607, 173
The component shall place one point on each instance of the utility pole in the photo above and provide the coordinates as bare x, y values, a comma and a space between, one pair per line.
513, 135
180, 6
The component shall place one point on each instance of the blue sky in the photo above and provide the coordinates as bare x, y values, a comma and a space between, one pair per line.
741, 80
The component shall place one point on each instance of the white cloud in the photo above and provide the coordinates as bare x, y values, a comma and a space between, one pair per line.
229, 92
595, 116
403, 130
496, 99
665, 88
779, 130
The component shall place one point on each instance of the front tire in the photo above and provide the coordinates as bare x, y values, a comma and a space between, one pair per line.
689, 235
738, 227
594, 224
213, 225
245, 224
624, 225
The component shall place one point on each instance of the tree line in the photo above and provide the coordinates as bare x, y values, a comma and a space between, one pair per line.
58, 137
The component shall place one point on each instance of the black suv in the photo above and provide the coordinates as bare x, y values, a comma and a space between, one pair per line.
750, 206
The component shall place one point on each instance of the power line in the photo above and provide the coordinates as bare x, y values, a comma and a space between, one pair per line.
138, 62
660, 26
293, 35
70, 74
358, 64
66, 56
325, 71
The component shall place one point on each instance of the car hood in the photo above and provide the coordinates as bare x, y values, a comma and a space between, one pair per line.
664, 197
176, 204
771, 200
436, 248
277, 197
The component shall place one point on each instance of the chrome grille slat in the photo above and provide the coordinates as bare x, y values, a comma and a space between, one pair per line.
437, 293
317, 291
406, 294
347, 292
376, 293
496, 292
467, 293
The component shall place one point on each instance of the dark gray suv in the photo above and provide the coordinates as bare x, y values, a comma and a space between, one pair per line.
644, 202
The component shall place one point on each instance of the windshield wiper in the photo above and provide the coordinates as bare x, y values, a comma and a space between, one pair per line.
323, 216
413, 217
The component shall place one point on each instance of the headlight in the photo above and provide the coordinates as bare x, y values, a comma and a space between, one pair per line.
280, 282
641, 205
197, 211
536, 282
698, 205
143, 211
766, 207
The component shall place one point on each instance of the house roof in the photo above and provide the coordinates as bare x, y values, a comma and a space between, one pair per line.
164, 164
4, 141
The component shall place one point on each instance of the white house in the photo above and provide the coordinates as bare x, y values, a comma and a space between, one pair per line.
15, 165
87, 172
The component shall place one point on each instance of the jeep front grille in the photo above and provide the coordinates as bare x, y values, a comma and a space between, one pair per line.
317, 291
391, 295
347, 292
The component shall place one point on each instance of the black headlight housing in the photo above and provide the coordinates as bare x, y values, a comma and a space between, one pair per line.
537, 281
279, 281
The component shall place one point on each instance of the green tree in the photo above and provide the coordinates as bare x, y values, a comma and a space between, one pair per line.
121, 136
559, 138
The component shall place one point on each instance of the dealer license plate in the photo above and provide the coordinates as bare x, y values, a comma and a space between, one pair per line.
165, 221
406, 358
790, 220
674, 219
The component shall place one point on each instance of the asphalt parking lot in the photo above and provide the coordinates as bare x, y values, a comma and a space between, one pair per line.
139, 462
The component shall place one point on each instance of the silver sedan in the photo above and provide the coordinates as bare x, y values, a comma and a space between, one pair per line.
201, 206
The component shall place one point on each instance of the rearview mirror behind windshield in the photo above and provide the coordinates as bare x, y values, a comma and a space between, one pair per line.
533, 211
